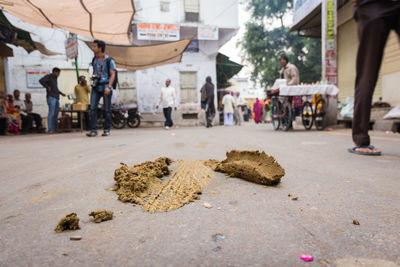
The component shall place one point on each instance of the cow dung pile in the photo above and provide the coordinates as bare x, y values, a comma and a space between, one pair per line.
253, 166
69, 222
149, 185
143, 184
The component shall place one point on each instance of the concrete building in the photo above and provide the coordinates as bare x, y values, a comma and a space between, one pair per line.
247, 89
308, 23
210, 23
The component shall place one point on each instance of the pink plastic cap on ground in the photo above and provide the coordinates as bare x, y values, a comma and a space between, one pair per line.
305, 257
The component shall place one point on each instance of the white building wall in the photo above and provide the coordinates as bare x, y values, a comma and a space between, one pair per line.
221, 13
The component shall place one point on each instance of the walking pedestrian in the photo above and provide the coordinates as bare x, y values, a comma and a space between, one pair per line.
168, 101
228, 103
258, 111
240, 104
53, 98
375, 19
104, 76
209, 102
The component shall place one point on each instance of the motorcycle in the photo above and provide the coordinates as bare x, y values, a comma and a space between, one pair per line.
134, 118
118, 120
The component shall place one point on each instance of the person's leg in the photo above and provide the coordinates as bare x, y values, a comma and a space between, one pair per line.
94, 103
107, 109
165, 111
240, 116
57, 108
26, 123
372, 37
50, 121
169, 114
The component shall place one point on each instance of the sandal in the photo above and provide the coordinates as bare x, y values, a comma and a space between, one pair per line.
365, 153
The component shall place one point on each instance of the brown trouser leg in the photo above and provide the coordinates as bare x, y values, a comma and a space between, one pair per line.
373, 34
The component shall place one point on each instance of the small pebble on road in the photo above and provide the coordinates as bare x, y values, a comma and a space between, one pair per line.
356, 222
207, 205
75, 238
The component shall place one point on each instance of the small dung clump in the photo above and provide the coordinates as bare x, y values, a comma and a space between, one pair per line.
356, 222
253, 166
102, 215
69, 222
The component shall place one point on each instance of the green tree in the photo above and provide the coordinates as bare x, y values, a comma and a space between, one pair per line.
263, 44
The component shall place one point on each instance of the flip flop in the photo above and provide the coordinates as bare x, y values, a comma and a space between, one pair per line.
371, 153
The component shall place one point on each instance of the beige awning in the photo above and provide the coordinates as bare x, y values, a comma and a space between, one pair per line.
107, 20
143, 57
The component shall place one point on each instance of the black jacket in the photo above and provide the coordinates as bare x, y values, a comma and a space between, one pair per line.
49, 81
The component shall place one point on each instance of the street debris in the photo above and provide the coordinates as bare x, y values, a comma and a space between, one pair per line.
142, 184
69, 222
253, 166
102, 215
218, 237
295, 198
356, 222
207, 205
306, 257
65, 254
75, 238
324, 262
216, 249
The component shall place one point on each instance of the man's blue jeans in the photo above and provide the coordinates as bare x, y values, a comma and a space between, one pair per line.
94, 103
54, 105
167, 114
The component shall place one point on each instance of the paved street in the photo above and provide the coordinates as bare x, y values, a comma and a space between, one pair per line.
45, 177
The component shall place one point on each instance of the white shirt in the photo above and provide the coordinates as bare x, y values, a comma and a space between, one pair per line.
168, 97
240, 101
21, 105
229, 102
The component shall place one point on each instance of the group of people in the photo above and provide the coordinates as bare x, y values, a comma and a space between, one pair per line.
233, 106
17, 116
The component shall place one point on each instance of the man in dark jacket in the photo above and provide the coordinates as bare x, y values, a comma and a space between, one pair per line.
209, 102
53, 98
375, 18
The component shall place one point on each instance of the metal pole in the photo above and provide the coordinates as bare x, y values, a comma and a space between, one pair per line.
77, 68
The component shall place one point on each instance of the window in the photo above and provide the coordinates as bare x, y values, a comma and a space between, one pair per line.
188, 82
164, 6
192, 10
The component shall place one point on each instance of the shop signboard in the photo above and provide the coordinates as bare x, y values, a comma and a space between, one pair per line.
71, 46
33, 76
193, 46
207, 33
329, 42
158, 32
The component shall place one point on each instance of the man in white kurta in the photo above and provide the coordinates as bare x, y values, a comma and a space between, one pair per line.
229, 104
168, 101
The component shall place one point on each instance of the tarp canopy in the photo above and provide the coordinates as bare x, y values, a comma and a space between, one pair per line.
107, 20
226, 69
143, 57
15, 36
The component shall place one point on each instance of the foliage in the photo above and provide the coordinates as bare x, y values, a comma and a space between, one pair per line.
263, 44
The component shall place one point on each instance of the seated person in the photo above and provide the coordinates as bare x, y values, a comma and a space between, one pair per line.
35, 117
3, 114
13, 115
26, 120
